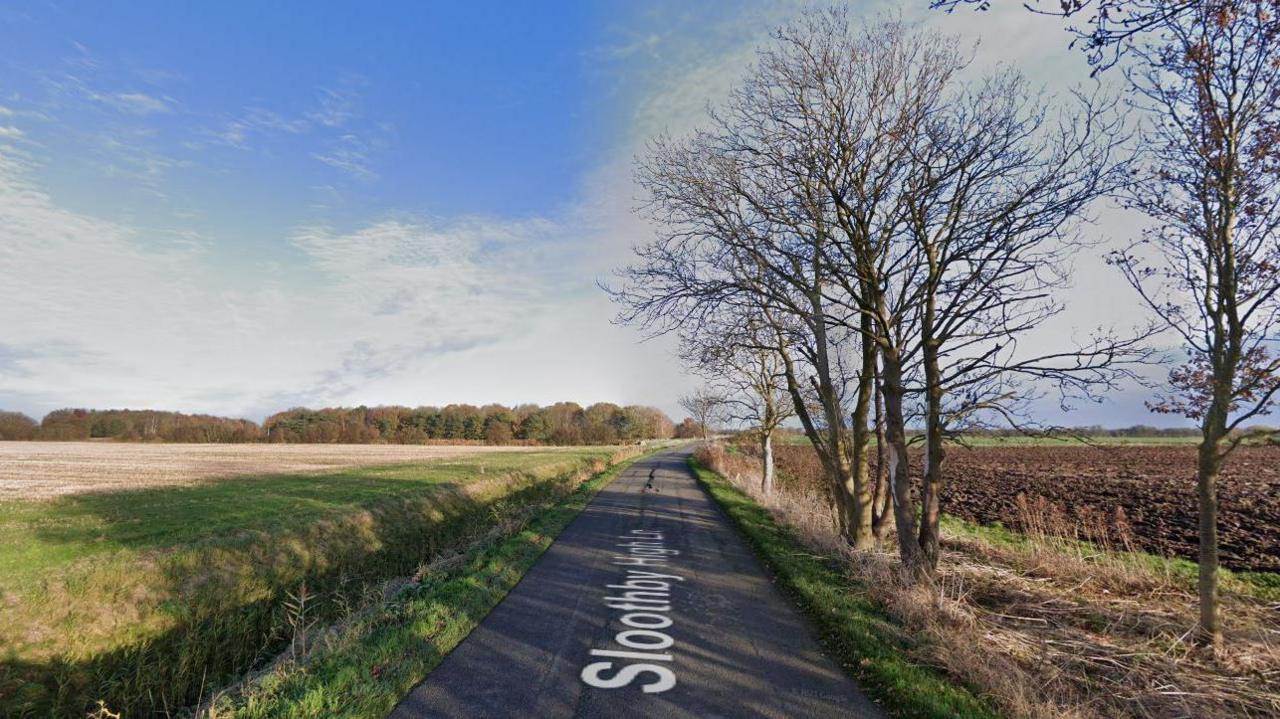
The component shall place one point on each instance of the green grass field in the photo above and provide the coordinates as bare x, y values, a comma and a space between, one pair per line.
38, 536
149, 598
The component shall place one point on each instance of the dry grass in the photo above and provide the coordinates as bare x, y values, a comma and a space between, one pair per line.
33, 470
1052, 626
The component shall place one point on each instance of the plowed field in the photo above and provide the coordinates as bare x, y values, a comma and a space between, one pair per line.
1153, 487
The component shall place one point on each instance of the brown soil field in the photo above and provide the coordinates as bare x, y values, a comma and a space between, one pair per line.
1146, 494
34, 470
1154, 487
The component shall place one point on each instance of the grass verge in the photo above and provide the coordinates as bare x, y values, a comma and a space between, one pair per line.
148, 599
366, 666
1045, 624
861, 636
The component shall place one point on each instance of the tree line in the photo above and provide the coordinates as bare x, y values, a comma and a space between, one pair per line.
127, 424
871, 237
563, 423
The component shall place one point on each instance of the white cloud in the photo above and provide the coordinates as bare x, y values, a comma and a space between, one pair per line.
147, 322
136, 103
460, 280
9, 132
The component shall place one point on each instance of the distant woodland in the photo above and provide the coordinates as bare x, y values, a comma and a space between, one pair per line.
563, 423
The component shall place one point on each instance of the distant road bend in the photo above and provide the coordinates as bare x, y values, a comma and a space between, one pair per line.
647, 605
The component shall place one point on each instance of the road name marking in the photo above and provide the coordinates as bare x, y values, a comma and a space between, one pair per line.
644, 597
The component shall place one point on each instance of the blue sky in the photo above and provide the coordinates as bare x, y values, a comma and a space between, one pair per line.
267, 110
236, 207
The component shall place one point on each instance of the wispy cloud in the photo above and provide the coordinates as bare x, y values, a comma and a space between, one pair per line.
159, 320
83, 84
9, 132
349, 154
256, 120
133, 155
136, 103
643, 43
337, 107
347, 141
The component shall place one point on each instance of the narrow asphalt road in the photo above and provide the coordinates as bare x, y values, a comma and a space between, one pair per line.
647, 605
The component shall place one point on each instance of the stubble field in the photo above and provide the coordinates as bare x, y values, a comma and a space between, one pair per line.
36, 470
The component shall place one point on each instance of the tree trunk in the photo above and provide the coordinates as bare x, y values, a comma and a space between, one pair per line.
895, 430
842, 484
766, 461
1208, 466
817, 440
1224, 357
883, 497
931, 483
858, 481
1209, 632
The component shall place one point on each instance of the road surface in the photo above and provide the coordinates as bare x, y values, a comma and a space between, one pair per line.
647, 605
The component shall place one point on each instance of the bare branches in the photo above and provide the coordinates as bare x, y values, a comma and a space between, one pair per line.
1210, 268
705, 406
856, 220
1111, 27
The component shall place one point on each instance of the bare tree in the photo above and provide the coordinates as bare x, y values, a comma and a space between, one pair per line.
743, 232
706, 406
893, 228
992, 209
952, 212
1210, 267
823, 131
742, 362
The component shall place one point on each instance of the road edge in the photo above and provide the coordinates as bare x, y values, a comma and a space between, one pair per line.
386, 654
864, 641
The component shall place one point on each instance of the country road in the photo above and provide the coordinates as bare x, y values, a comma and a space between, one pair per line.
647, 605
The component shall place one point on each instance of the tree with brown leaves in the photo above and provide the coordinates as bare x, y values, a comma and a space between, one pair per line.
1210, 266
